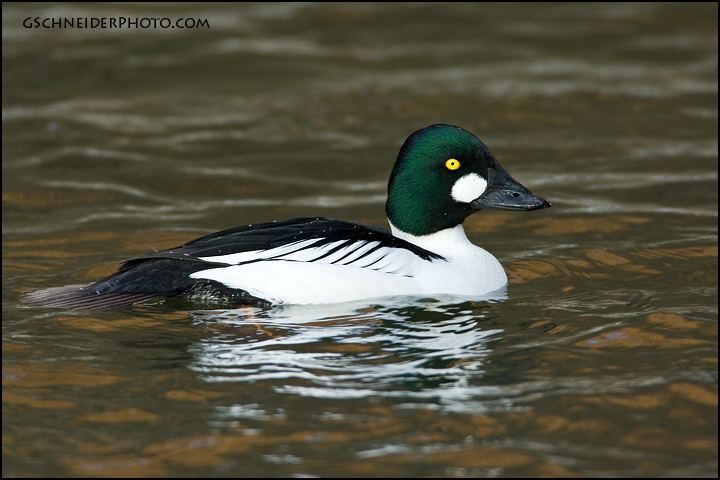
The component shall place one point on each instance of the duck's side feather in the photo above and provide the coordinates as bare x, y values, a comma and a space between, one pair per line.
227, 265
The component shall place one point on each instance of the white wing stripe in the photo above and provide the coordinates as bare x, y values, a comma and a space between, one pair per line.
370, 258
309, 254
241, 257
234, 258
342, 252
359, 252
292, 247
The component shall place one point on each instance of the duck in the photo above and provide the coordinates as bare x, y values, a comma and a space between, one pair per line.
442, 174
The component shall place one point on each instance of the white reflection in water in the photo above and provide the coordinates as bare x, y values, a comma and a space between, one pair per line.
419, 350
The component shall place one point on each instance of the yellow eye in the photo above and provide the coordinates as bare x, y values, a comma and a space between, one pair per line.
452, 164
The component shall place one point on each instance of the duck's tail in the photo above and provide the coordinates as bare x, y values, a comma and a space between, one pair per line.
82, 297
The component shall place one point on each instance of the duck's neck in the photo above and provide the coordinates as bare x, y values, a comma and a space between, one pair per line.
449, 242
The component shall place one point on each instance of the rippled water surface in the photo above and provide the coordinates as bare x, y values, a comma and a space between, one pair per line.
601, 361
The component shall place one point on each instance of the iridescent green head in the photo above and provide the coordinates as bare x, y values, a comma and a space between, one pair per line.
444, 173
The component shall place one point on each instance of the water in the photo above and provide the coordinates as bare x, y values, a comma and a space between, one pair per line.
602, 360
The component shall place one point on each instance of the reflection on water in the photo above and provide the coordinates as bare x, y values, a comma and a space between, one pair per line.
375, 351
600, 359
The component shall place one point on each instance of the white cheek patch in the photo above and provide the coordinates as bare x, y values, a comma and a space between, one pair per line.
468, 187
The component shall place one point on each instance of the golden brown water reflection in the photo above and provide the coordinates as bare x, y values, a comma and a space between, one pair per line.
601, 361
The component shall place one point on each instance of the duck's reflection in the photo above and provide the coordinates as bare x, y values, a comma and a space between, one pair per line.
422, 350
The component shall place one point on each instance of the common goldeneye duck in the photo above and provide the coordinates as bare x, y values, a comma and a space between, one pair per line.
443, 173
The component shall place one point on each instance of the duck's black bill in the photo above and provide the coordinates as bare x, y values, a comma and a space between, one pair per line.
506, 193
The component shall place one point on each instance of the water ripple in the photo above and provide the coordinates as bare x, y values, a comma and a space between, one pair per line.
374, 352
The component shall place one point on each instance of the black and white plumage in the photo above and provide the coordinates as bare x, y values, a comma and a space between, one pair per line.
239, 266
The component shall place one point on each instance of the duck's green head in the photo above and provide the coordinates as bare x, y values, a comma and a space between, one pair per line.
444, 173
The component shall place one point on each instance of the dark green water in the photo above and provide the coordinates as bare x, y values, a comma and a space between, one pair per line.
601, 362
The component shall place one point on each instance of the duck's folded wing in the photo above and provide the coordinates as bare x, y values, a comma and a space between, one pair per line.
309, 261
296, 260
302, 239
